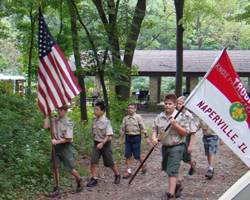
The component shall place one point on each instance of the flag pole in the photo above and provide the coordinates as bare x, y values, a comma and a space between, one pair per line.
152, 149
54, 152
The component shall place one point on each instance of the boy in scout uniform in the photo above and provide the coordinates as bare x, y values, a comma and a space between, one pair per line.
132, 126
63, 136
188, 147
210, 141
102, 132
172, 142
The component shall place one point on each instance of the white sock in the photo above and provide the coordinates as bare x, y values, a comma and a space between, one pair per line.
211, 168
129, 170
95, 177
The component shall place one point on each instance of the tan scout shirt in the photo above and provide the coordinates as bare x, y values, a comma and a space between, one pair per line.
62, 128
207, 131
190, 119
172, 137
101, 128
133, 125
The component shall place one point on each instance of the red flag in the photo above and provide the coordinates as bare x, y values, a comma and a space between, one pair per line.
221, 100
56, 82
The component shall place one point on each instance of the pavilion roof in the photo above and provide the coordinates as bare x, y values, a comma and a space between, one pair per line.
195, 62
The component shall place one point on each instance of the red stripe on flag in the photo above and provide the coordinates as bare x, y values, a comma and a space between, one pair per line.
57, 84
60, 72
42, 106
69, 71
49, 92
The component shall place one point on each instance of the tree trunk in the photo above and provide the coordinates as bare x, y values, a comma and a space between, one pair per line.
98, 84
179, 47
198, 32
200, 43
105, 93
124, 90
30, 51
84, 116
76, 50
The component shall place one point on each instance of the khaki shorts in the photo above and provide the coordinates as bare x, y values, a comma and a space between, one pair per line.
171, 159
105, 152
63, 154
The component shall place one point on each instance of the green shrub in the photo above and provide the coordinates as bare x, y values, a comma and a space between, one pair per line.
25, 149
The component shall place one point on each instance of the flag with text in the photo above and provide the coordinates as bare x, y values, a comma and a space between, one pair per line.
56, 82
221, 100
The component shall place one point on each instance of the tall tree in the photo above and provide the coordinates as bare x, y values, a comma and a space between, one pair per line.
124, 90
179, 4
94, 53
76, 49
108, 59
112, 31
24, 10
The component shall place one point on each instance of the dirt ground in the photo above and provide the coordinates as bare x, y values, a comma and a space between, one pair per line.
154, 184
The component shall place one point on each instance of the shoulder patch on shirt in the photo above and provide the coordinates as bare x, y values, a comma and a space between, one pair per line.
70, 124
108, 122
183, 119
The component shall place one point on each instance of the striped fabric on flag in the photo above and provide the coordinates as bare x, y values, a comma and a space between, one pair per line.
56, 82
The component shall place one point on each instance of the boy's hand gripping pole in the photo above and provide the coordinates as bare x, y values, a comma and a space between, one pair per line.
152, 149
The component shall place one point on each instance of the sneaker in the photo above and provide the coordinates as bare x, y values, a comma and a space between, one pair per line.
55, 192
170, 196
192, 170
178, 190
144, 168
127, 175
209, 174
79, 186
117, 178
92, 182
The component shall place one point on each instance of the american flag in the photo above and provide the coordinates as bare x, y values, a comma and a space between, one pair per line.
56, 82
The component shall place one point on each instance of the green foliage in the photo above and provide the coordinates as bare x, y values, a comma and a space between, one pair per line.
158, 28
118, 110
139, 83
10, 58
83, 138
242, 16
89, 85
24, 148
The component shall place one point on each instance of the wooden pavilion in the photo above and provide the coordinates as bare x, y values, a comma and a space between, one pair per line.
159, 63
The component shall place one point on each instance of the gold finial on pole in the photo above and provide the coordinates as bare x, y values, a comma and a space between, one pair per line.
40, 5
227, 46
